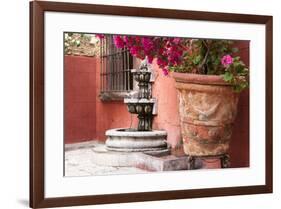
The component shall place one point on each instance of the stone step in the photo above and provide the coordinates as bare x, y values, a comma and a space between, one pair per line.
152, 161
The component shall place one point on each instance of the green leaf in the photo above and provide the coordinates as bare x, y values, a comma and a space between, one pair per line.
197, 60
239, 69
235, 50
217, 61
227, 76
237, 58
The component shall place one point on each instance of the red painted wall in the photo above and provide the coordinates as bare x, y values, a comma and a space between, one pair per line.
79, 98
87, 117
110, 114
240, 141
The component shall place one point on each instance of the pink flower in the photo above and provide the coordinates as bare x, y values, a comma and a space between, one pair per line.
174, 55
118, 41
137, 38
147, 44
128, 41
176, 40
165, 71
150, 59
226, 60
134, 50
100, 36
168, 51
161, 62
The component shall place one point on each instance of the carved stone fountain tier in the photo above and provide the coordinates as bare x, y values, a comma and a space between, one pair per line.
144, 109
143, 138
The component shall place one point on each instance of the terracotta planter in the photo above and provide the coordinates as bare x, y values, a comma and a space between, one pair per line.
207, 107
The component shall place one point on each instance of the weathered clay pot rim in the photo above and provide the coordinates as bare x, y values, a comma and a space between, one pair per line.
199, 79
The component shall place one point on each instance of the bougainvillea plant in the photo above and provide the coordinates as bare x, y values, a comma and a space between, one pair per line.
185, 55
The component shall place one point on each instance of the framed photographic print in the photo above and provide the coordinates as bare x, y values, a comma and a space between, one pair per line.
138, 104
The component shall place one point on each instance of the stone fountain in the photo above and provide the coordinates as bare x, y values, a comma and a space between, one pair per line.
141, 147
142, 138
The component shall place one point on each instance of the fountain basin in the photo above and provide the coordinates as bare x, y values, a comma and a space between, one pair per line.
131, 140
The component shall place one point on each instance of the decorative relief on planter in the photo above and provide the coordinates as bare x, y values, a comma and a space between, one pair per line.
207, 113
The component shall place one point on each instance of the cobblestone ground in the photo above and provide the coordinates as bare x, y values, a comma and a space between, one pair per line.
78, 163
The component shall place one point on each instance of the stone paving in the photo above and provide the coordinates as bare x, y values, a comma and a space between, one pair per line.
78, 162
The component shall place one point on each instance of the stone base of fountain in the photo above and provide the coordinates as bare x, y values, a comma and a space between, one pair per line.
131, 140
160, 160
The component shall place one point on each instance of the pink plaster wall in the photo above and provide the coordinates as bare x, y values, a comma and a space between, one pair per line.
167, 115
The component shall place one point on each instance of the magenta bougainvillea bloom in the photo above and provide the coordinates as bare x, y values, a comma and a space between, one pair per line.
226, 60
118, 41
174, 55
165, 71
134, 50
100, 36
149, 59
186, 55
167, 51
128, 40
161, 62
176, 40
147, 44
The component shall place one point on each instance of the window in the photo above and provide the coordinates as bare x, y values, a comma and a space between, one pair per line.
115, 73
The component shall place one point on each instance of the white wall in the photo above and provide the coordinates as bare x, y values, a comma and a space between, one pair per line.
14, 102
